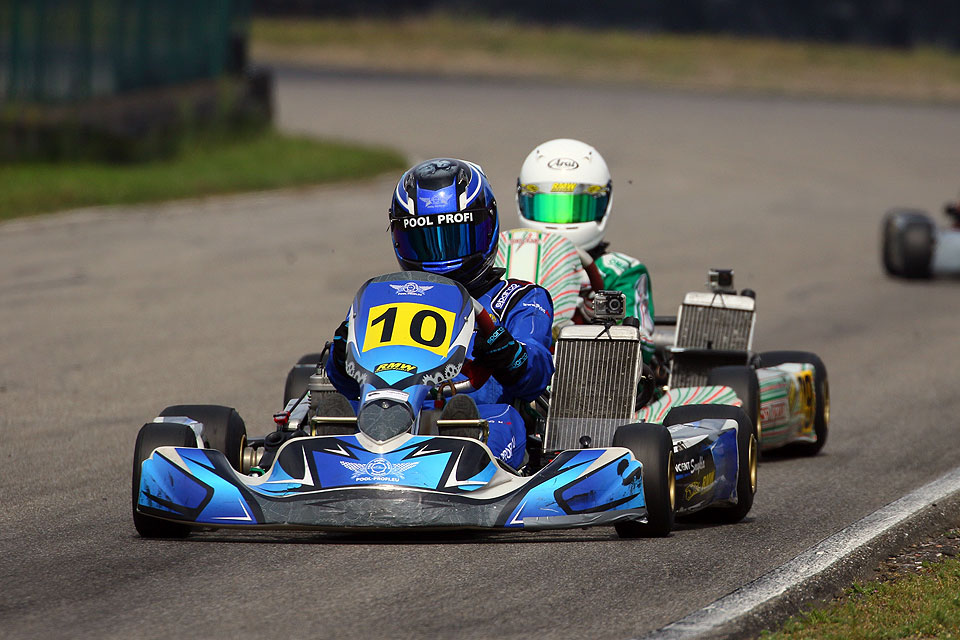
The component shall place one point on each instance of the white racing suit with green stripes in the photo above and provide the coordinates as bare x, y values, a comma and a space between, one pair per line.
629, 275
552, 261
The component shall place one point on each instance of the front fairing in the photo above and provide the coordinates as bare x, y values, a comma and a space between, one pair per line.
408, 332
351, 482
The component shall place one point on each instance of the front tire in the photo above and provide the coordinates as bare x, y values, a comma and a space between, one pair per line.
151, 436
821, 391
909, 237
223, 428
652, 445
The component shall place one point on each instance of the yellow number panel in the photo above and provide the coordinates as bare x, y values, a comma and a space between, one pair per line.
408, 324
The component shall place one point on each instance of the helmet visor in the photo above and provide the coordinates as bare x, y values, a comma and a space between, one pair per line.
443, 236
563, 203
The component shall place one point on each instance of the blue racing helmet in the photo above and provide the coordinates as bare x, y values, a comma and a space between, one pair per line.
443, 219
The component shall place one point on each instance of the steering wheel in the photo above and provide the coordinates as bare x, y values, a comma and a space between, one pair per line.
477, 376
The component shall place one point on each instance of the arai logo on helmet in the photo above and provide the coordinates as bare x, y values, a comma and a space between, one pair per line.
411, 289
563, 164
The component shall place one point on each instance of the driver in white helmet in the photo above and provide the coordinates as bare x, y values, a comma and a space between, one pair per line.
565, 188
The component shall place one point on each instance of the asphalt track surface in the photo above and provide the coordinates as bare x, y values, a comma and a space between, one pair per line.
107, 316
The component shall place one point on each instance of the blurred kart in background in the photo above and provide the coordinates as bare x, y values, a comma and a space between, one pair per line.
913, 247
703, 352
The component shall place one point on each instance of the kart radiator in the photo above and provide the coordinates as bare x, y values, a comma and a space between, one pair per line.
713, 329
594, 387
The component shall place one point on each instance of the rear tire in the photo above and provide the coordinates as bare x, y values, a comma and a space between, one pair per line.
223, 428
652, 445
821, 390
151, 436
908, 241
743, 381
299, 376
748, 452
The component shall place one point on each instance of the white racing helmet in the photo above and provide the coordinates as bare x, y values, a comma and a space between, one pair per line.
564, 187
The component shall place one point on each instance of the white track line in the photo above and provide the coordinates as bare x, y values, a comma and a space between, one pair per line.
809, 563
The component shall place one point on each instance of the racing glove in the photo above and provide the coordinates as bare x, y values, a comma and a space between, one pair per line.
503, 354
339, 349
585, 307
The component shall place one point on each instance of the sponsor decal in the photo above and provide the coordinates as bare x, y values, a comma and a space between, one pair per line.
396, 366
529, 188
449, 372
773, 412
696, 488
387, 394
436, 200
691, 466
563, 164
507, 452
615, 262
527, 238
379, 470
504, 296
535, 305
563, 187
437, 219
411, 289
354, 371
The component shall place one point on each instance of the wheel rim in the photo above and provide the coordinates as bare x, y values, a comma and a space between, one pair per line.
671, 482
753, 464
243, 445
826, 404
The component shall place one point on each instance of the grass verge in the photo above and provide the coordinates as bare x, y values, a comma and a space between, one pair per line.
916, 602
441, 44
204, 167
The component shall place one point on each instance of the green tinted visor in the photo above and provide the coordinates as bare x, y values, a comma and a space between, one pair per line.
563, 203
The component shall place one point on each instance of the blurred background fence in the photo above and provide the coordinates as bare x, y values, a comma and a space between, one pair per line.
124, 80
898, 23
68, 50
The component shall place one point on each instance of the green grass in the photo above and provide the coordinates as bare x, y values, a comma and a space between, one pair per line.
925, 605
443, 45
204, 167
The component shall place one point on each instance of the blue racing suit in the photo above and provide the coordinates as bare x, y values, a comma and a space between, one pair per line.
526, 311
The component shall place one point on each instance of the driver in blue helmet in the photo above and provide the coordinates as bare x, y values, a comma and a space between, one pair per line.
443, 220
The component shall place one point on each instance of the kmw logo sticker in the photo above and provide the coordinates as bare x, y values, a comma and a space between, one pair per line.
395, 366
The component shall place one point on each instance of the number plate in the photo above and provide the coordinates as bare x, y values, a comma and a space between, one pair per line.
409, 324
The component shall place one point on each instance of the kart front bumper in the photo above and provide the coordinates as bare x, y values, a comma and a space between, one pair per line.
316, 485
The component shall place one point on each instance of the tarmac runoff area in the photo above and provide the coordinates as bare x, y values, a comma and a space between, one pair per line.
823, 570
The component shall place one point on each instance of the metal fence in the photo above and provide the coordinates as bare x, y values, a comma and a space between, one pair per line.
69, 50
